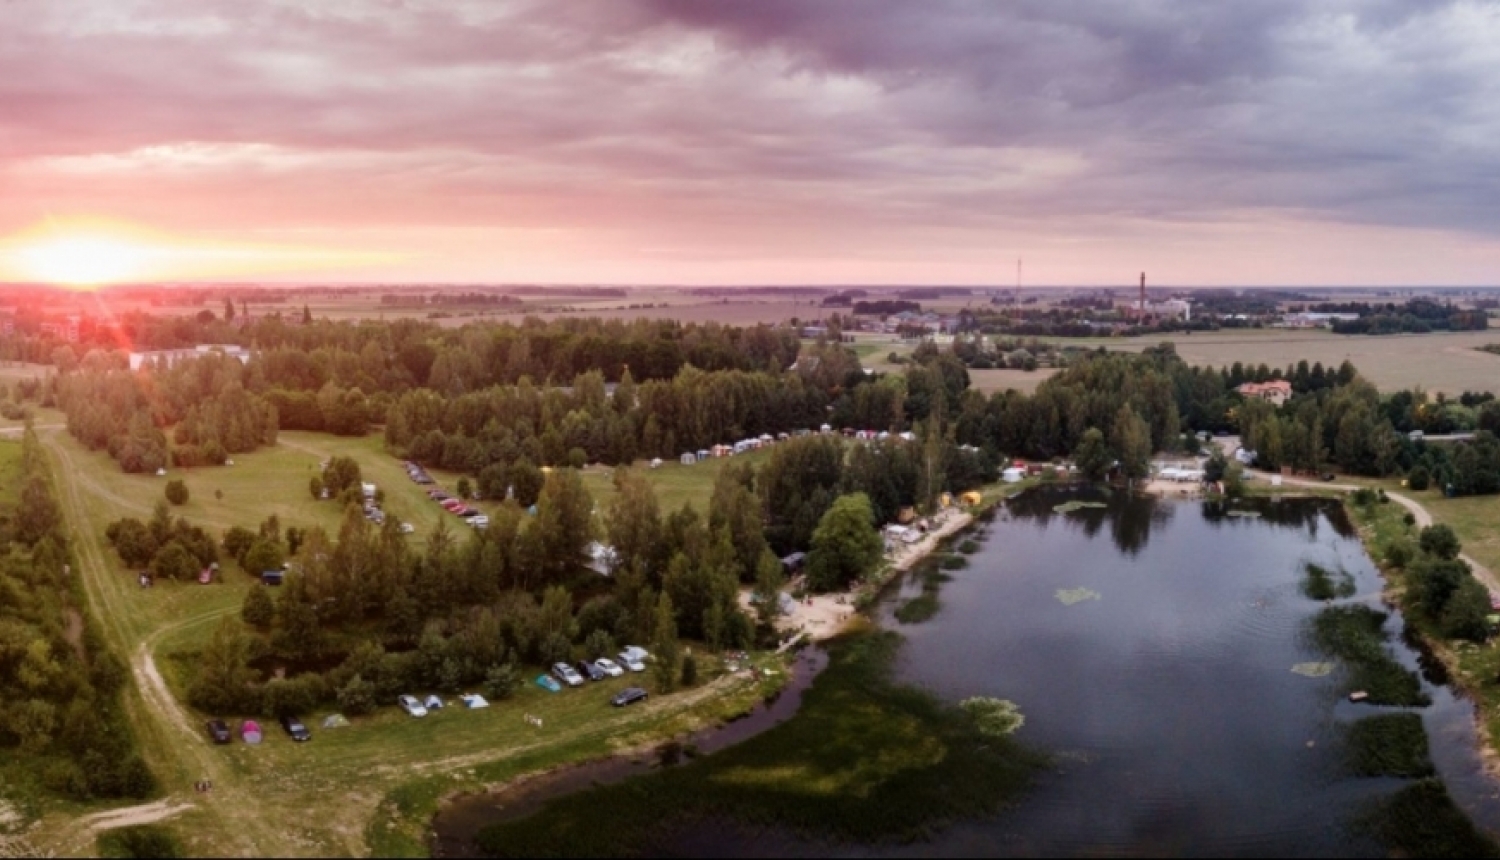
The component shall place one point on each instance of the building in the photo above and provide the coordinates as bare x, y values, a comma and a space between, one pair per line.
1315, 320
1277, 391
170, 357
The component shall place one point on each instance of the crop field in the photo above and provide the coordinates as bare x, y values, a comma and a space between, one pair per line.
1449, 363
369, 788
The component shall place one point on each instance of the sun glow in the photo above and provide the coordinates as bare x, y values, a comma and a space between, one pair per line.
97, 254
83, 261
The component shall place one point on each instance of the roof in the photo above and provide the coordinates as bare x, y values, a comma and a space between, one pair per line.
1272, 387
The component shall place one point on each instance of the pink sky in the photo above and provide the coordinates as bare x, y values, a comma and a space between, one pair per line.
766, 142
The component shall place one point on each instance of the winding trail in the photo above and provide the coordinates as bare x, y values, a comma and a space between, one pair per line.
1422, 516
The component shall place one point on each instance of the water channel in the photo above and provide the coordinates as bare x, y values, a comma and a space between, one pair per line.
1150, 644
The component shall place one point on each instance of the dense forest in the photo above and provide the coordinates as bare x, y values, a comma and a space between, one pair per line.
61, 721
1417, 316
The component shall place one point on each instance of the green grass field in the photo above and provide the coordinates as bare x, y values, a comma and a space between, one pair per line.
368, 788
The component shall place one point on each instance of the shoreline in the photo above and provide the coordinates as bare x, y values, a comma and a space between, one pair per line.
820, 617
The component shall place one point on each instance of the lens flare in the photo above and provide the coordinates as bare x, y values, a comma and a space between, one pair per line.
83, 261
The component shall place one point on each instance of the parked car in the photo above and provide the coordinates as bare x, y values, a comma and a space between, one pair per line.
219, 732
609, 667
411, 706
470, 513
639, 655
1327, 476
563, 672
407, 528
630, 663
295, 728
590, 671
628, 696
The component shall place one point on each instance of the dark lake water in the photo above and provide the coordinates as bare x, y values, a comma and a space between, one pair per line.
1168, 699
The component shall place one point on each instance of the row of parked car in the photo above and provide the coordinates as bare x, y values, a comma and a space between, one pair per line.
219, 733
632, 659
459, 508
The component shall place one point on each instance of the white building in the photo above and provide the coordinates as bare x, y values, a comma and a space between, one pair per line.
170, 357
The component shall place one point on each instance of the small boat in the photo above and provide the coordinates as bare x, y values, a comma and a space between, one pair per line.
1358, 696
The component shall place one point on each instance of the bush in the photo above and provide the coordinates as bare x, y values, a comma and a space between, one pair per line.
1419, 479
357, 697
689, 671
501, 681
1440, 541
969, 546
176, 492
1399, 553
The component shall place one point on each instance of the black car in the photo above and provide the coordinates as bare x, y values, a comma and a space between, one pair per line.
296, 729
628, 696
588, 670
219, 732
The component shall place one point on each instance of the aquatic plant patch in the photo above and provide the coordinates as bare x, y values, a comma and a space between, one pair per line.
1320, 583
1389, 745
1070, 596
1313, 670
1356, 635
1421, 820
865, 760
1070, 507
994, 717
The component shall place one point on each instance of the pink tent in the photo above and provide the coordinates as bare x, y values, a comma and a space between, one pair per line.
250, 731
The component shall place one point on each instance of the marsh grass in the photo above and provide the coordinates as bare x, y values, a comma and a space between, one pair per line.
1356, 635
864, 761
1421, 820
1389, 745
1320, 583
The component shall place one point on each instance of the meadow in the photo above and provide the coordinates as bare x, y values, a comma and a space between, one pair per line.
369, 788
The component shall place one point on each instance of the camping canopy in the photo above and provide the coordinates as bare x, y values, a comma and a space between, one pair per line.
335, 721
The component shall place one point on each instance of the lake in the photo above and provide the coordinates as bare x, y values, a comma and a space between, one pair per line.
1150, 645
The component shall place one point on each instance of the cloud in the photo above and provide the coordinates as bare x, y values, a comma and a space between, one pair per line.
772, 130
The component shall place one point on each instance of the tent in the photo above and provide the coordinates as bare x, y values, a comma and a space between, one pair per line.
474, 701
433, 703
547, 682
250, 731
335, 721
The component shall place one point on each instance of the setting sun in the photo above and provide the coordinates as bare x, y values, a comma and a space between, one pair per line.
83, 261
87, 253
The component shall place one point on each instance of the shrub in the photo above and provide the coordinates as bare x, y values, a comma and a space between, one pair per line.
357, 697
954, 562
1399, 553
501, 681
258, 609
689, 671
1419, 479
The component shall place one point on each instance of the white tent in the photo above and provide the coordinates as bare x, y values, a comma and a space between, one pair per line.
474, 701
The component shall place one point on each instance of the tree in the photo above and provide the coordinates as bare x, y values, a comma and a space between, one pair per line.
1419, 479
563, 525
237, 542
689, 671
263, 555
501, 681
845, 546
258, 609
633, 523
307, 317
224, 673
177, 492
465, 490
1092, 454
769, 580
1132, 443
526, 480
668, 650
229, 310
1440, 541
1466, 615
173, 561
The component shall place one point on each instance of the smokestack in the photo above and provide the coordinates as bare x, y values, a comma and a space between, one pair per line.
1142, 314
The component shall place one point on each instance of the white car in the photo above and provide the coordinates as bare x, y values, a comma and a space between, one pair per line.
630, 663
407, 528
636, 654
567, 674
609, 667
411, 706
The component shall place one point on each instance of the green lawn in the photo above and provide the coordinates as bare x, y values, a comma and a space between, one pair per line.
675, 483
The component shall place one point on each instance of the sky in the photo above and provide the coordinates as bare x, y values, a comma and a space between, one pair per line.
806, 142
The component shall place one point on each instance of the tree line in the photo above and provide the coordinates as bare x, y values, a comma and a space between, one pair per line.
60, 685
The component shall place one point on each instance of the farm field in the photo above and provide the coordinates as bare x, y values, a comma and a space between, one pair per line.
1449, 363
364, 789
